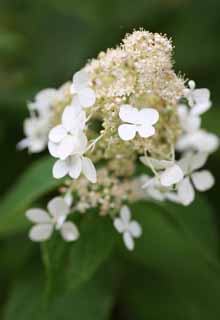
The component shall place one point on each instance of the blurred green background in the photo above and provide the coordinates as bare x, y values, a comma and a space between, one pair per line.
43, 42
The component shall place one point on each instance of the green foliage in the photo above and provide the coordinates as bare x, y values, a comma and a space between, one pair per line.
35, 182
68, 266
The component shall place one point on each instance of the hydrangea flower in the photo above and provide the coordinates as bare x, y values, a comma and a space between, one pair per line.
54, 219
169, 172
66, 138
198, 99
130, 229
43, 101
82, 94
200, 180
140, 121
188, 121
36, 132
75, 164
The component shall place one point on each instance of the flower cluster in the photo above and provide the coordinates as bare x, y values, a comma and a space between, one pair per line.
125, 109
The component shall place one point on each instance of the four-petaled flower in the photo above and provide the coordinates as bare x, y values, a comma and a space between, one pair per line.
129, 228
140, 121
201, 180
54, 219
66, 138
83, 95
75, 164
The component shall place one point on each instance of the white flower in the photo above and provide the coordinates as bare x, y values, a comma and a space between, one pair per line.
199, 140
66, 138
36, 131
75, 164
43, 101
129, 228
198, 99
169, 173
189, 122
82, 93
201, 180
54, 219
140, 121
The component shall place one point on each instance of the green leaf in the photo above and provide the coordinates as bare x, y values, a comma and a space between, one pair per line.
68, 265
35, 182
93, 301
178, 276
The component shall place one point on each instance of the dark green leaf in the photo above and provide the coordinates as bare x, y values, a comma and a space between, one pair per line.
35, 182
68, 265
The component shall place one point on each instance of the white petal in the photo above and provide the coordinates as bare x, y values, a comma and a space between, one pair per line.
198, 160
135, 229
128, 241
185, 162
75, 166
60, 169
53, 149
119, 225
128, 113
81, 143
148, 116
58, 207
57, 133
145, 131
89, 169
41, 232
203, 180
68, 198
38, 215
171, 176
69, 231
66, 147
127, 131
73, 118
87, 97
202, 101
200, 140
125, 214
80, 80
186, 192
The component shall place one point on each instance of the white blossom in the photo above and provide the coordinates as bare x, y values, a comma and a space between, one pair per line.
129, 228
83, 95
169, 172
75, 164
54, 219
36, 131
198, 99
66, 138
200, 140
200, 180
43, 101
140, 121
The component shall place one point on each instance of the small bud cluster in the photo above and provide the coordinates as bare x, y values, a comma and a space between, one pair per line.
122, 109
